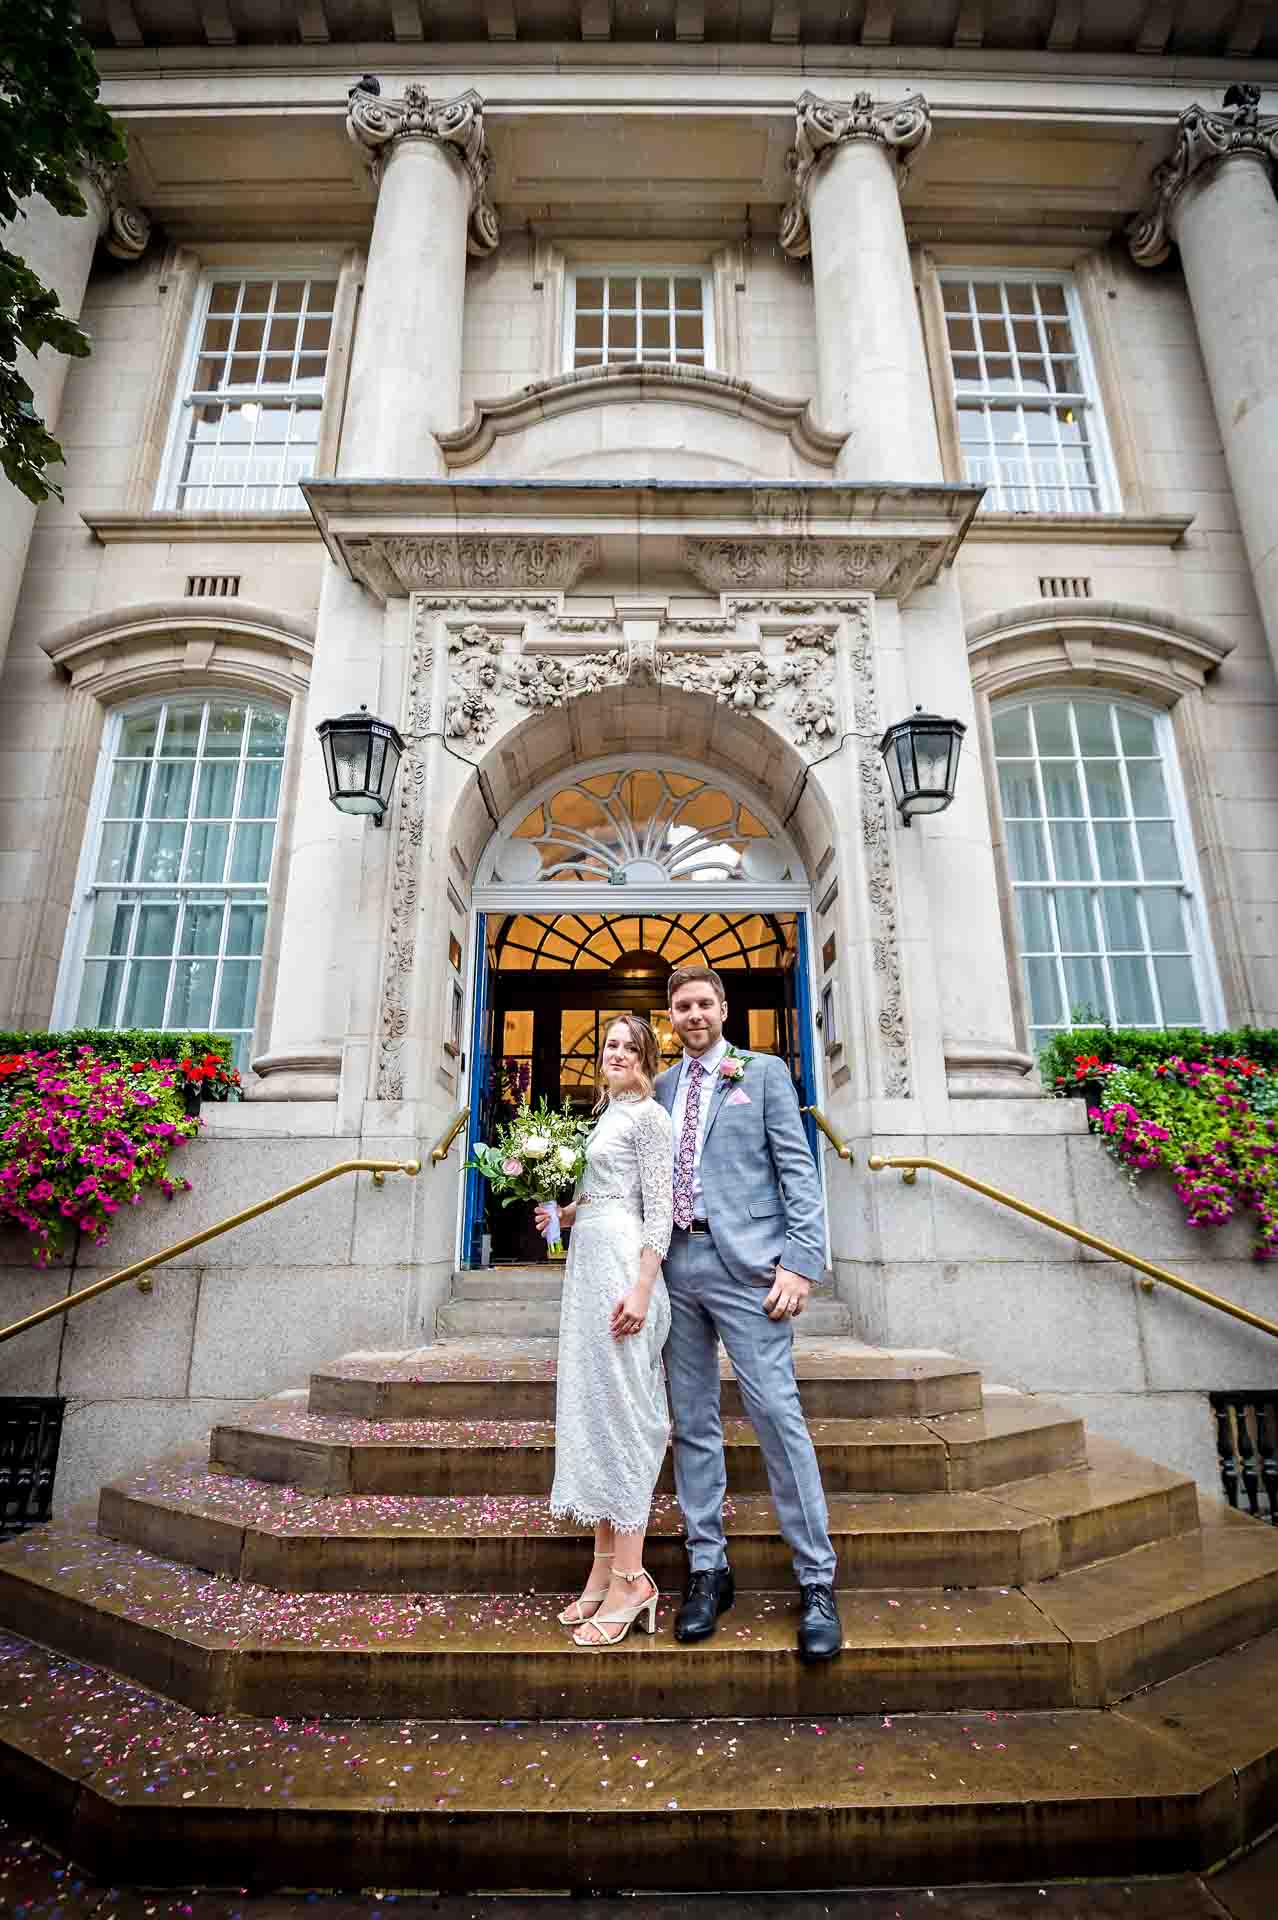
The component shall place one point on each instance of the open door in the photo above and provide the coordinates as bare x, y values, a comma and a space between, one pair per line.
800, 1033
481, 1094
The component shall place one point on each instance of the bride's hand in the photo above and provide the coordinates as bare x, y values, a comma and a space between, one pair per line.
567, 1214
630, 1312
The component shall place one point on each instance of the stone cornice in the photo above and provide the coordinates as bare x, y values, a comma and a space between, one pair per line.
1205, 137
1083, 529
1098, 642
620, 386
823, 125
475, 536
375, 124
122, 650
175, 528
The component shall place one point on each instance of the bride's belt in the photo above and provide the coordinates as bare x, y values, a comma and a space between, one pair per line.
629, 1201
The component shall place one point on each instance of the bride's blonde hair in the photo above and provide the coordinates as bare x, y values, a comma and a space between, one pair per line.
649, 1054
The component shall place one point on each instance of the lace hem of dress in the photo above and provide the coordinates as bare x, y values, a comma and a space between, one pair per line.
585, 1518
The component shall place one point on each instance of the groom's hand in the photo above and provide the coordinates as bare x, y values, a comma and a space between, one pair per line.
789, 1295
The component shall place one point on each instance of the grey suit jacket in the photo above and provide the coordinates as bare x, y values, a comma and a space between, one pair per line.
762, 1190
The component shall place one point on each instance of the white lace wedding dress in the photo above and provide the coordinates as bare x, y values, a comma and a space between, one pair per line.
611, 1421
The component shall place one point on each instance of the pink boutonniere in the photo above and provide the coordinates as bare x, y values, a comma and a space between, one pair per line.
733, 1065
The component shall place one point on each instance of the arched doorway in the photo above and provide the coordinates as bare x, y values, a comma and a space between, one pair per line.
594, 888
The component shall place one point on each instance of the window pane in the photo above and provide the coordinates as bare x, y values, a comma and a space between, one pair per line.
1060, 787
112, 924
1076, 921
171, 790
1115, 852
1095, 728
1136, 731
1019, 789
202, 927
1044, 992
137, 734
260, 798
1122, 920
1034, 911
1105, 788
247, 930
1051, 727
1085, 986
1165, 915
99, 993
216, 794
1011, 731
1028, 854
1070, 850
157, 925
1133, 997
206, 855
192, 1001
1149, 795
162, 851
252, 857
1177, 992
128, 788
118, 852
182, 731
1158, 850
266, 733
237, 995
225, 730
145, 993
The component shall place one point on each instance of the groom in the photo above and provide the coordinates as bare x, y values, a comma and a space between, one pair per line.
749, 1239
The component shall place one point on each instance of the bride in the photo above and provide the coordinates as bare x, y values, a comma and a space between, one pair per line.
611, 1420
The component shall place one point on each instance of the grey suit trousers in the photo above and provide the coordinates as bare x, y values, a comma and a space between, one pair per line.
707, 1304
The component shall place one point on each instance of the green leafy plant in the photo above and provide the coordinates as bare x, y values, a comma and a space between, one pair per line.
1210, 1121
51, 127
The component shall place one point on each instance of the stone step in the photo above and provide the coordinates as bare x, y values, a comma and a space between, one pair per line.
1088, 1638
515, 1380
113, 1774
499, 1319
278, 1537
1013, 1437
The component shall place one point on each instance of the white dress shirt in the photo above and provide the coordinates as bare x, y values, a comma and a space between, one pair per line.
710, 1061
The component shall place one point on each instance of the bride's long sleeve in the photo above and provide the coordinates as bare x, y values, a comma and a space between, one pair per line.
654, 1146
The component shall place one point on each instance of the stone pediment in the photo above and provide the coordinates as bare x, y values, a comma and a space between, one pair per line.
649, 422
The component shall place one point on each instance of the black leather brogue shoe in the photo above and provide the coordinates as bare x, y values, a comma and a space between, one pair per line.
707, 1596
820, 1628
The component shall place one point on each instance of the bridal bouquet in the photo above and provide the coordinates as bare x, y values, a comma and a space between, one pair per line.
534, 1157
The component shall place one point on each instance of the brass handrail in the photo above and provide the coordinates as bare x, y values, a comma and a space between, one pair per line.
440, 1149
378, 1168
910, 1165
841, 1147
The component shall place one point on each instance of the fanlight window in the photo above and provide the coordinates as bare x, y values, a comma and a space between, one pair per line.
644, 946
641, 827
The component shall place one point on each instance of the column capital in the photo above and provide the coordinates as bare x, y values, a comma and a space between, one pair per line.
124, 227
1206, 137
375, 125
822, 125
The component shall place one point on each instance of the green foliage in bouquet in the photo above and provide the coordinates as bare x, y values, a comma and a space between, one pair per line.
534, 1157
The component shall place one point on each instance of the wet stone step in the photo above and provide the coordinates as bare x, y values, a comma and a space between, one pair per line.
1012, 1437
515, 1380
1088, 1638
278, 1537
114, 1773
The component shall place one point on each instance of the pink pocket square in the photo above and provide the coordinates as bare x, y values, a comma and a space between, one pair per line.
739, 1099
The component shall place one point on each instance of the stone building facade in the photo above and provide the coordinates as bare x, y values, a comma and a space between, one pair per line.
642, 413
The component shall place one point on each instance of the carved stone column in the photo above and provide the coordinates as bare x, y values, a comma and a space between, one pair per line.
1215, 199
847, 163
60, 251
431, 165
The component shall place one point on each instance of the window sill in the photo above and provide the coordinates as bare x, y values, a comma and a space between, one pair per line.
169, 526
1083, 529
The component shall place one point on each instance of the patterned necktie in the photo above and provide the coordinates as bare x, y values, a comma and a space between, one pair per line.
685, 1158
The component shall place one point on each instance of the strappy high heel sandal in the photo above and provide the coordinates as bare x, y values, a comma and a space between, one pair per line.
581, 1609
625, 1617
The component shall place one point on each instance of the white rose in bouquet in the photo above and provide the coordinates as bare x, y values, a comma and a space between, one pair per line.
567, 1158
536, 1146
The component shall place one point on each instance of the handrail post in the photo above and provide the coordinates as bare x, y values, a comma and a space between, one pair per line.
840, 1145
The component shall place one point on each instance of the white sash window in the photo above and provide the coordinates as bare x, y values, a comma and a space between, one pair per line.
652, 314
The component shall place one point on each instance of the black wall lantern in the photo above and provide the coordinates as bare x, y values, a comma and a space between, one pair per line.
922, 756
361, 759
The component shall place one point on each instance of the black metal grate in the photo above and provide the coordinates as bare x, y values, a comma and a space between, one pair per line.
30, 1430
1247, 1447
